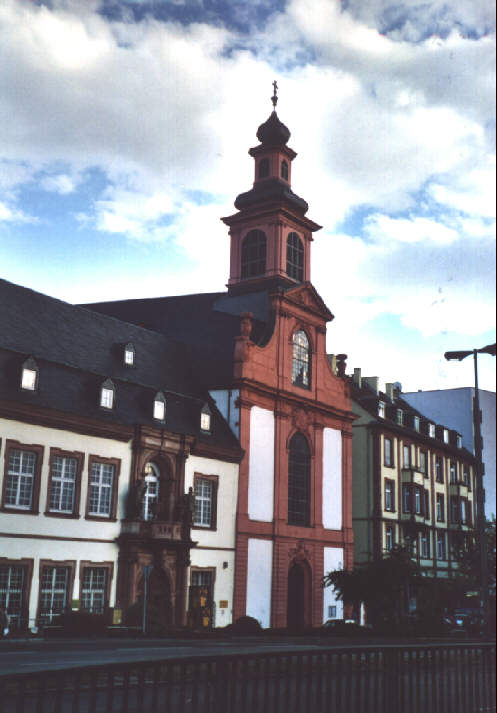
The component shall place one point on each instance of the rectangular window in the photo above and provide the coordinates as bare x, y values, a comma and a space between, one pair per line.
416, 423
389, 538
332, 612
464, 511
406, 498
54, 592
453, 472
20, 479
454, 509
13, 583
465, 477
63, 480
406, 457
440, 502
418, 501
107, 398
94, 589
28, 380
423, 462
388, 452
389, 495
205, 502
101, 489
441, 547
381, 409
446, 435
439, 469
400, 417
425, 545
431, 430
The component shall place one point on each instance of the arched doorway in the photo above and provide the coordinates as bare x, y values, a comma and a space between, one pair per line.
299, 596
159, 604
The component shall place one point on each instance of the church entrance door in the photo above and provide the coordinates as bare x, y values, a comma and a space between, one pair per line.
298, 615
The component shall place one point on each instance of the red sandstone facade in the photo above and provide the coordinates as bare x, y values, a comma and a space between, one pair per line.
263, 375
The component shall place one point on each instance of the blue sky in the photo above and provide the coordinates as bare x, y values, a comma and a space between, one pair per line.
125, 130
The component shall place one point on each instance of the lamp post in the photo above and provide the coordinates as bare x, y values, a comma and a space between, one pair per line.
480, 493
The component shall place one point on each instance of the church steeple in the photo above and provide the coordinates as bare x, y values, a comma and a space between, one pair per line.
270, 235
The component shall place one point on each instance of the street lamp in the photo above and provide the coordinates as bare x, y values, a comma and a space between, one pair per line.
480, 493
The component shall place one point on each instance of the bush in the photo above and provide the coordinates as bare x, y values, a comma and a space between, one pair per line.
245, 625
80, 623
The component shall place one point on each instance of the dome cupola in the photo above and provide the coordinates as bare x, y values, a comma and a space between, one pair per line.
273, 132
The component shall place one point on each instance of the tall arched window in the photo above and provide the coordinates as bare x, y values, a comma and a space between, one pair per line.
301, 362
284, 170
264, 168
299, 477
254, 254
294, 257
151, 492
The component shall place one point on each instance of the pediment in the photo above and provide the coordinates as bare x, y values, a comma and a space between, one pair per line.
307, 296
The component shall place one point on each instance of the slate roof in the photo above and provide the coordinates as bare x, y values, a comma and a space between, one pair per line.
76, 349
206, 324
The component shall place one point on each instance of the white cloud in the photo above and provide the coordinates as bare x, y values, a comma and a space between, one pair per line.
14, 215
383, 229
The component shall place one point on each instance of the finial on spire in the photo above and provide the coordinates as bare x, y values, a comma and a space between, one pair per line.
274, 98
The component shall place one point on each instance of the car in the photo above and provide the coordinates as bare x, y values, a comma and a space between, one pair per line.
345, 627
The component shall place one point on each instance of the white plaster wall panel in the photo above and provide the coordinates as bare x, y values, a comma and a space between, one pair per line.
223, 583
332, 479
224, 534
333, 559
69, 441
261, 465
259, 580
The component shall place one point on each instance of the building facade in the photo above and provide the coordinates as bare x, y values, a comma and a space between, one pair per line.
413, 481
259, 349
455, 408
102, 435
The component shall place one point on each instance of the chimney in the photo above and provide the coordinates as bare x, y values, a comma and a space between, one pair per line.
389, 391
372, 382
357, 377
333, 362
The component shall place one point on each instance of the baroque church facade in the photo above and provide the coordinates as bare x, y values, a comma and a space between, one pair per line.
223, 473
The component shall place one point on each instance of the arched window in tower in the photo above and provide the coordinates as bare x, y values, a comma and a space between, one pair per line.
295, 257
299, 477
150, 499
254, 254
301, 362
284, 170
264, 168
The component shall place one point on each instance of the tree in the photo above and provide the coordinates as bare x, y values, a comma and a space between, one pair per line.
384, 585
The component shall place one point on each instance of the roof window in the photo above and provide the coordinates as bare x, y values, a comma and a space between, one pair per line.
381, 409
431, 430
459, 441
416, 423
159, 406
129, 355
107, 394
205, 419
29, 375
446, 435
400, 417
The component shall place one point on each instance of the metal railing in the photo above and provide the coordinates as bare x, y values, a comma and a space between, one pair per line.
452, 678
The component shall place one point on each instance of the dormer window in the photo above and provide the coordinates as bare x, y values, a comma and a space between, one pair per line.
159, 407
446, 435
431, 430
416, 423
29, 375
400, 417
129, 355
459, 441
205, 419
107, 394
381, 409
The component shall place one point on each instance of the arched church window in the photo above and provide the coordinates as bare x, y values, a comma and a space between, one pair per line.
295, 257
284, 170
264, 168
151, 491
254, 254
299, 475
301, 362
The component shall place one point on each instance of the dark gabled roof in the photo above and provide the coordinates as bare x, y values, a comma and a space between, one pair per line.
206, 324
76, 349
369, 399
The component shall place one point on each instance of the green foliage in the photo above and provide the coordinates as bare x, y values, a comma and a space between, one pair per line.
469, 561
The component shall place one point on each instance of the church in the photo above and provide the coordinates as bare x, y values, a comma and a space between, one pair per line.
195, 448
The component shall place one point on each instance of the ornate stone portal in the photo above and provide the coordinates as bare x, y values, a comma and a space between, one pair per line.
156, 533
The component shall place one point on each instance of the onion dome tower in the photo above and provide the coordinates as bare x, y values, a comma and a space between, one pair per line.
270, 234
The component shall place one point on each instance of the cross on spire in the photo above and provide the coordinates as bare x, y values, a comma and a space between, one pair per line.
274, 98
